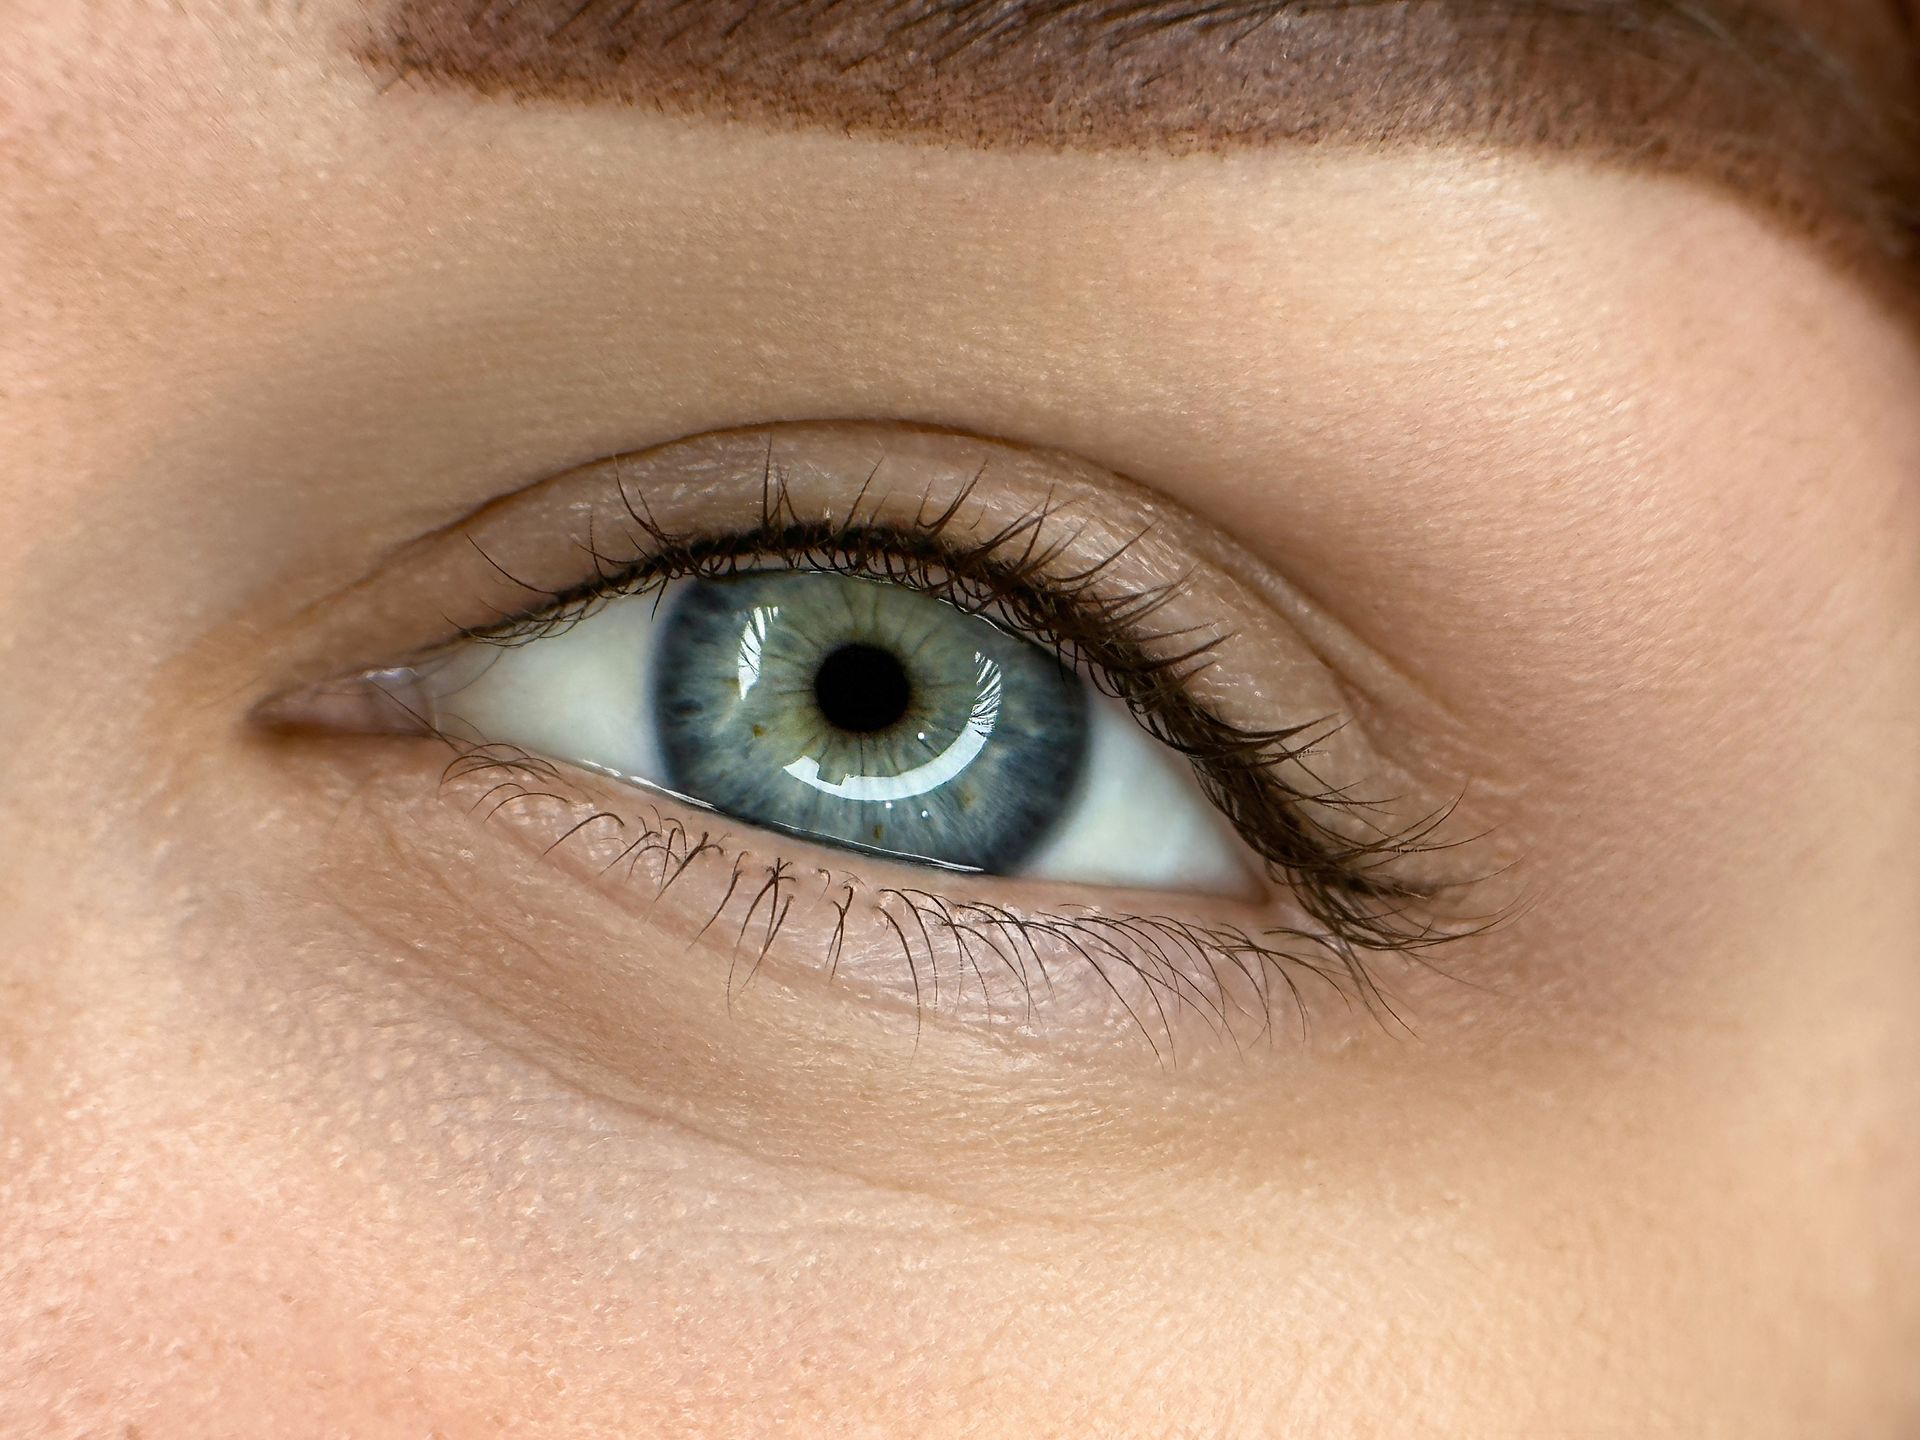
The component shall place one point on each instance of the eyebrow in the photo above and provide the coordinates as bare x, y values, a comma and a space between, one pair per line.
1737, 91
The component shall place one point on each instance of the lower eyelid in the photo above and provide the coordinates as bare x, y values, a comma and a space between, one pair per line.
1011, 960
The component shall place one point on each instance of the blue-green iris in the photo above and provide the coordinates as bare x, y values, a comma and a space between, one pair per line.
866, 714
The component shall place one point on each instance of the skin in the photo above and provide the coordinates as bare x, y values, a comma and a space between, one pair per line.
328, 1108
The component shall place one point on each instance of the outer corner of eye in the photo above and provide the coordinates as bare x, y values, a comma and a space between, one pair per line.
858, 713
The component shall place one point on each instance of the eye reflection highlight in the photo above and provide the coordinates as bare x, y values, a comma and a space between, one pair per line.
753, 640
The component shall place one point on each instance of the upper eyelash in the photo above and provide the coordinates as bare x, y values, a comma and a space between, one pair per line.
1009, 575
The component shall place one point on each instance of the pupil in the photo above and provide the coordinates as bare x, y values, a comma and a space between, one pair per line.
861, 688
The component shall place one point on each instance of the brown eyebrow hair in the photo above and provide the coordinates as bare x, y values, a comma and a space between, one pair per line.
1735, 90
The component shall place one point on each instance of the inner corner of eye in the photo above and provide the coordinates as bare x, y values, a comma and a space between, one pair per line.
865, 714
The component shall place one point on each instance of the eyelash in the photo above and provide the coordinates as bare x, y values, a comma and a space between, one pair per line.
1105, 636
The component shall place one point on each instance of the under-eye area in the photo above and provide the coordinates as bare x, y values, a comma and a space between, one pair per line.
963, 726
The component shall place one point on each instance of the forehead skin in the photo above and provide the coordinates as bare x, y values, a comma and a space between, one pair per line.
1804, 111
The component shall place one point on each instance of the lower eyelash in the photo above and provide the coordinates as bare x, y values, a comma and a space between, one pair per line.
1164, 973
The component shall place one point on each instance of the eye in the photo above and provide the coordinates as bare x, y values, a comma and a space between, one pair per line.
1085, 716
857, 712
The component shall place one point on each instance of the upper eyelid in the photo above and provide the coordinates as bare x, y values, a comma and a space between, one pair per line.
826, 544
521, 552
923, 534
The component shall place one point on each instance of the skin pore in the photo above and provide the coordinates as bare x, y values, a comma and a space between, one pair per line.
331, 1105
